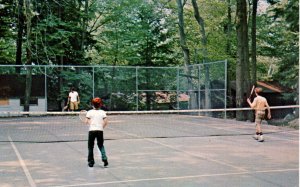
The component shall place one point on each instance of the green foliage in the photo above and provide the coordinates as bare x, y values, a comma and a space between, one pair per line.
62, 79
7, 32
59, 34
144, 33
138, 33
7, 51
280, 40
216, 37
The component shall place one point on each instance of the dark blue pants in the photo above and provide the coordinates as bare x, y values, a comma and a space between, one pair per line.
91, 141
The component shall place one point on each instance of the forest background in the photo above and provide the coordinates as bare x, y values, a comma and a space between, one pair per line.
259, 38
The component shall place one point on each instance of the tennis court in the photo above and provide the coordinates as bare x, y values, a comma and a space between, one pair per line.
147, 150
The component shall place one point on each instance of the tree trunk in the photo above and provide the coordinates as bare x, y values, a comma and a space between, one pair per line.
186, 55
28, 15
253, 50
60, 61
61, 80
84, 25
20, 35
200, 22
28, 81
253, 43
115, 61
183, 45
242, 65
148, 62
228, 29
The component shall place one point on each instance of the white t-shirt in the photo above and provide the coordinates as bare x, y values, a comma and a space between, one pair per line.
96, 119
73, 96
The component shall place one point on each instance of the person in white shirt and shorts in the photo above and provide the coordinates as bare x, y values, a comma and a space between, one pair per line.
73, 99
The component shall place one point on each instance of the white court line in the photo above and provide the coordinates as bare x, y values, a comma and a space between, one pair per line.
115, 121
232, 128
290, 132
22, 163
283, 139
179, 177
188, 153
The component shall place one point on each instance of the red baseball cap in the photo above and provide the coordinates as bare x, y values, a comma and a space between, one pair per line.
97, 102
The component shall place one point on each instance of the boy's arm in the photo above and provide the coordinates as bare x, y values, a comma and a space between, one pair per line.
105, 122
269, 111
78, 99
252, 105
88, 118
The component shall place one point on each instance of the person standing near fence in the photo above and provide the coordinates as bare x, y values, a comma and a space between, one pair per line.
259, 104
73, 99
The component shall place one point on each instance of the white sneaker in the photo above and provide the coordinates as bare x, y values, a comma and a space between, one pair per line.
261, 138
255, 137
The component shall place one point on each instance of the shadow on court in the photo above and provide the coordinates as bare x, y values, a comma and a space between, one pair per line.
181, 151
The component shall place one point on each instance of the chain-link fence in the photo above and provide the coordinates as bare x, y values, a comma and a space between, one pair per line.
123, 88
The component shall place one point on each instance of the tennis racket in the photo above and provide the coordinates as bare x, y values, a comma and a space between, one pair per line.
65, 108
82, 115
251, 91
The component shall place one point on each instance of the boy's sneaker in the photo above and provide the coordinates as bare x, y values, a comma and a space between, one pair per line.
105, 163
255, 137
91, 164
261, 138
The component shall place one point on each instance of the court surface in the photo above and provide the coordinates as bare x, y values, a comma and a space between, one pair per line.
148, 152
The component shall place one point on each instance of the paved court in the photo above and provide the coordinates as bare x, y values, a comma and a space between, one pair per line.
208, 153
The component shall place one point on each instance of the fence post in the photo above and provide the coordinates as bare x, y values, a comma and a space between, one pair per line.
46, 95
93, 82
137, 88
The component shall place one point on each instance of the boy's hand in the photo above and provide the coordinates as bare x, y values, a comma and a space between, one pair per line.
248, 100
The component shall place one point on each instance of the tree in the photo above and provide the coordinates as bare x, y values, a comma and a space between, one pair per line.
20, 26
136, 33
253, 42
7, 32
284, 17
145, 33
242, 65
183, 43
200, 21
186, 52
277, 38
28, 14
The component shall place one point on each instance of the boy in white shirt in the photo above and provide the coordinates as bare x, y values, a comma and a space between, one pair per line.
259, 105
97, 120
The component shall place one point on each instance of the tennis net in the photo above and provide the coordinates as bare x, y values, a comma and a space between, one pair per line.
55, 127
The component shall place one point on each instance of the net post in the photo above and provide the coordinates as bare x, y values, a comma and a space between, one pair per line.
93, 82
177, 87
136, 88
199, 87
225, 89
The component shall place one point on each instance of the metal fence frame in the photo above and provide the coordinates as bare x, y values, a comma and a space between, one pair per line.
137, 71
